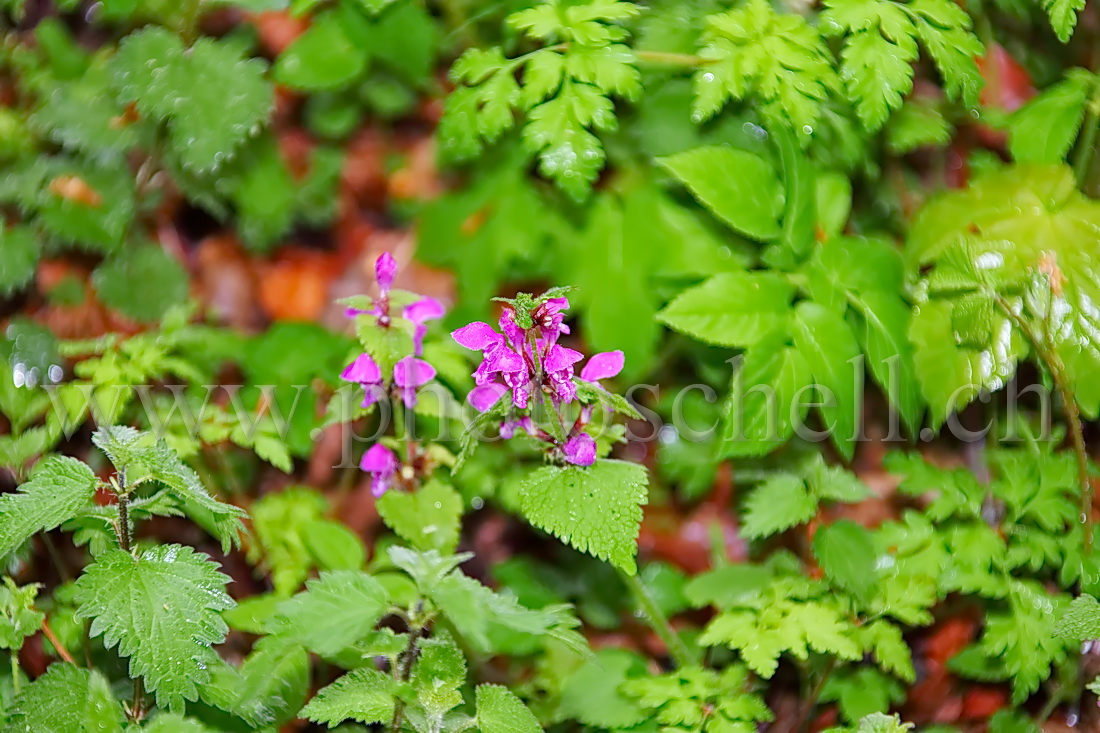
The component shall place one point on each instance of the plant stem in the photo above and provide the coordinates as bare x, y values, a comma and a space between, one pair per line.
672, 59
1050, 358
405, 663
124, 532
1082, 159
61, 650
125, 540
815, 695
657, 621
15, 681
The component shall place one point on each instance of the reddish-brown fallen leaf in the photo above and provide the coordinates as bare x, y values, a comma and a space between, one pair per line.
277, 29
75, 188
295, 284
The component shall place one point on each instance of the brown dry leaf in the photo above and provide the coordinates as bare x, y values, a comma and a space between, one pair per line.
75, 188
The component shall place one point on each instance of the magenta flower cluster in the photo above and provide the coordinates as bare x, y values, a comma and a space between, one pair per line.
519, 361
409, 373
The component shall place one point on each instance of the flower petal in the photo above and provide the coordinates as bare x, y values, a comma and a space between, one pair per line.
514, 333
385, 270
379, 460
412, 372
363, 370
603, 366
485, 396
580, 450
425, 309
560, 357
477, 336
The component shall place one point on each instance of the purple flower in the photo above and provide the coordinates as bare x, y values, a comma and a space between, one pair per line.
604, 365
549, 318
508, 428
381, 463
486, 395
425, 309
365, 372
558, 365
498, 358
410, 373
580, 450
385, 270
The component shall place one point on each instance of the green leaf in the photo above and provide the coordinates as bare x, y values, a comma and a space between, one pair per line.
428, 518
265, 194
324, 57
173, 723
500, 711
732, 308
67, 699
740, 188
779, 503
82, 114
597, 510
885, 318
162, 611
765, 401
916, 125
777, 57
19, 252
1080, 621
592, 694
365, 695
1063, 16
18, 616
861, 692
1044, 129
826, 342
141, 283
207, 122
58, 488
268, 688
847, 556
337, 609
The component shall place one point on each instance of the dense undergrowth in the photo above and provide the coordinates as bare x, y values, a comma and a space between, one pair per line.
610, 366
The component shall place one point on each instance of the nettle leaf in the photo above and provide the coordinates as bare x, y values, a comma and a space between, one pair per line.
592, 693
597, 510
428, 518
18, 616
67, 699
1044, 129
847, 555
19, 253
82, 114
58, 488
779, 503
740, 188
732, 309
500, 711
162, 610
777, 57
143, 457
142, 283
766, 400
336, 610
365, 695
207, 122
269, 687
1080, 621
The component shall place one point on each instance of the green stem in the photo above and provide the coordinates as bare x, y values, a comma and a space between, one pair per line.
655, 617
1053, 363
672, 59
815, 695
1086, 148
15, 681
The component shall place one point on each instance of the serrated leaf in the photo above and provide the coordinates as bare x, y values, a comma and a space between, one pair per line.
916, 125
779, 503
365, 695
1063, 16
207, 122
162, 610
597, 509
500, 711
944, 29
847, 556
1044, 129
18, 616
66, 699
591, 693
19, 252
1080, 621
57, 489
428, 518
173, 723
732, 309
337, 609
740, 188
141, 283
